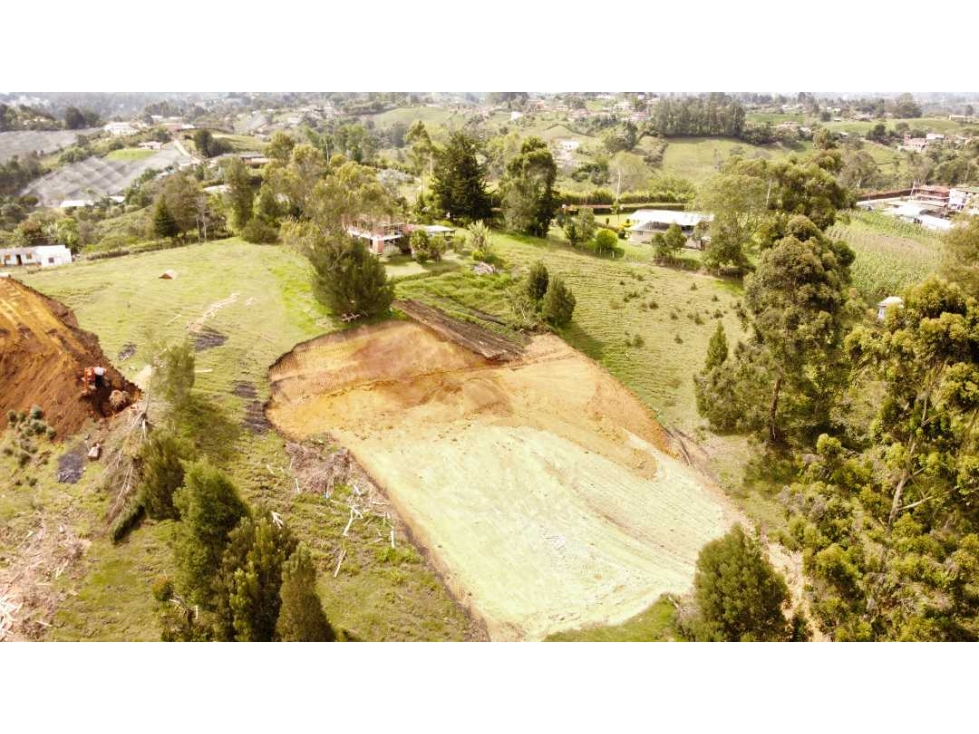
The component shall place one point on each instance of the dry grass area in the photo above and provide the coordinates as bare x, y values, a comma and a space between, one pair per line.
542, 488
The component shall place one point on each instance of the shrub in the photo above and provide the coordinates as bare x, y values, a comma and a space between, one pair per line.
36, 413
537, 281
128, 519
162, 588
259, 232
559, 303
739, 594
12, 417
678, 339
162, 458
605, 241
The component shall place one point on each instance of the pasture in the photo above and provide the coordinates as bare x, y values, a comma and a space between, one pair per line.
129, 154
697, 159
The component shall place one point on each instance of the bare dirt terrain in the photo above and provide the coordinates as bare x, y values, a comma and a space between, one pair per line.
542, 488
99, 177
42, 356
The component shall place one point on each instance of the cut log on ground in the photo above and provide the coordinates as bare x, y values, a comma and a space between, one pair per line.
475, 338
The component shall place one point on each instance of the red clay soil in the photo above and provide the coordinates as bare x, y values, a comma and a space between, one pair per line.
42, 356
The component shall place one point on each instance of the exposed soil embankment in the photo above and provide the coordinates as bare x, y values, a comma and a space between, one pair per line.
544, 490
43, 354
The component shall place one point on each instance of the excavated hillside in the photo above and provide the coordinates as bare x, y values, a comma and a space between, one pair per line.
544, 491
43, 354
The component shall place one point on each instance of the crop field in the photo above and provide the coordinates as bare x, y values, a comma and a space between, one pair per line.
19, 142
99, 176
252, 303
541, 487
891, 255
129, 154
697, 159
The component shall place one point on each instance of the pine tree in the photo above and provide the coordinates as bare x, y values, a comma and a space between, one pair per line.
559, 303
250, 579
739, 594
459, 183
537, 281
162, 458
717, 348
348, 278
210, 508
164, 225
301, 617
529, 201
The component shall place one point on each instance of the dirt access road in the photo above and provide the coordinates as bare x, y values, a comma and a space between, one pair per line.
541, 487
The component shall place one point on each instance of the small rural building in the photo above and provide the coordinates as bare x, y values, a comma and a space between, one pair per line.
151, 145
647, 222
120, 128
44, 256
961, 197
889, 302
936, 196
914, 144
378, 236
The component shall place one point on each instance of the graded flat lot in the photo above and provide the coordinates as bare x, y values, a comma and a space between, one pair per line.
99, 176
19, 142
541, 487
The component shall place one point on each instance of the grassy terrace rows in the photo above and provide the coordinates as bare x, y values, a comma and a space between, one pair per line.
377, 595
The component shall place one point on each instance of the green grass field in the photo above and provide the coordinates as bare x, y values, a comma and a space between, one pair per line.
242, 142
376, 596
656, 624
616, 300
129, 154
891, 255
431, 116
697, 159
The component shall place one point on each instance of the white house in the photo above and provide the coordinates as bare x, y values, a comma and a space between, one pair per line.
119, 128
889, 302
44, 256
647, 222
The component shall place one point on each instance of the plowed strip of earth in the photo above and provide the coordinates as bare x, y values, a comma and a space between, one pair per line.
42, 356
542, 488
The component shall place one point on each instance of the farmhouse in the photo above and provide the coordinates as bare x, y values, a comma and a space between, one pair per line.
44, 256
647, 222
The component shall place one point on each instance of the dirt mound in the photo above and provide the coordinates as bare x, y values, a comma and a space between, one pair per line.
42, 356
546, 493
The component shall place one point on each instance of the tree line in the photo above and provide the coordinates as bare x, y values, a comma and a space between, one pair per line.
875, 422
